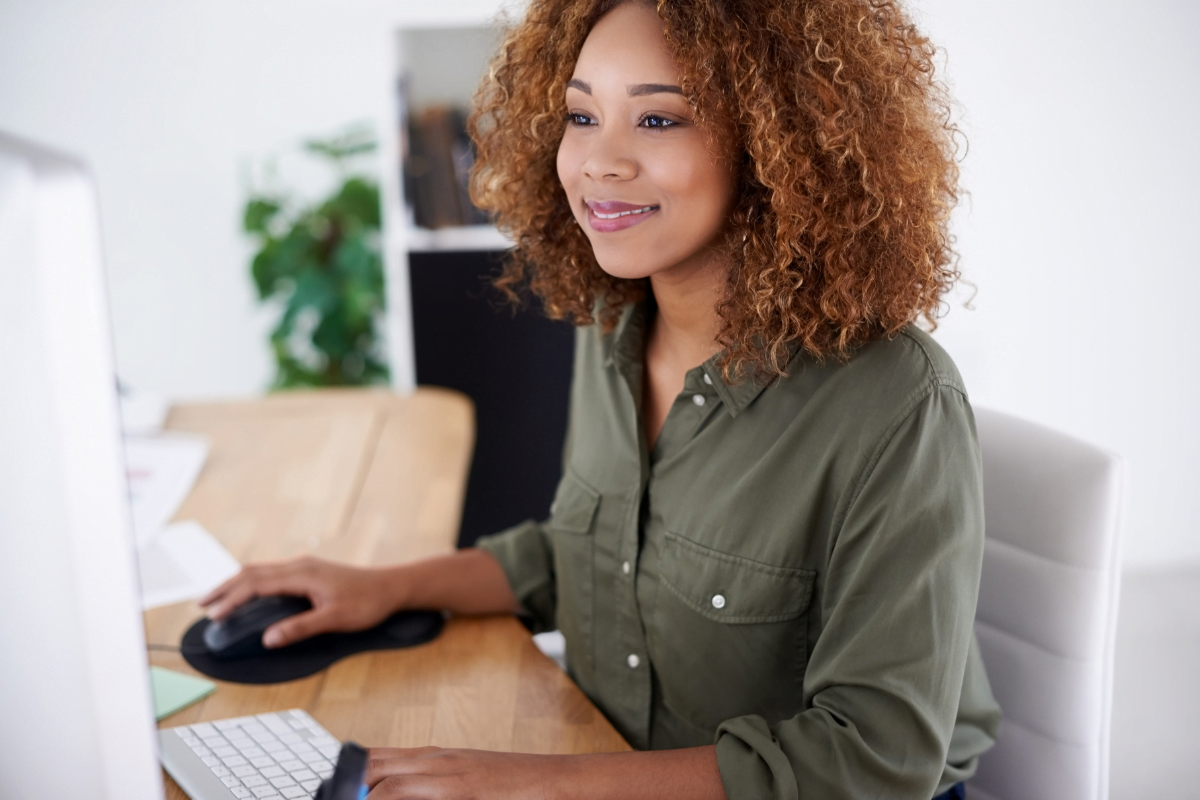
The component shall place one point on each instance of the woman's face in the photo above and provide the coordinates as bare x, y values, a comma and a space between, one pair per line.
641, 178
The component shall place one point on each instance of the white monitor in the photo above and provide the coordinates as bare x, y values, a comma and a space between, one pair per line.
75, 708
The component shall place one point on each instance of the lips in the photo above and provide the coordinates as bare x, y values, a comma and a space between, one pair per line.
609, 216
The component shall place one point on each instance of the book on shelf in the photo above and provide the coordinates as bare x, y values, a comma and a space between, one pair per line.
437, 169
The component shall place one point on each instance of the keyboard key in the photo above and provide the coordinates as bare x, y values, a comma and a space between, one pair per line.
263, 737
311, 786
214, 741
282, 781
233, 761
293, 765
203, 729
252, 752
241, 742
293, 791
220, 771
255, 780
243, 771
309, 758
229, 780
319, 766
210, 761
202, 751
254, 727
272, 772
228, 724
265, 791
221, 752
290, 738
330, 753
241, 791
302, 775
274, 747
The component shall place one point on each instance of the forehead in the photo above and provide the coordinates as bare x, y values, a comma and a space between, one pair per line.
627, 46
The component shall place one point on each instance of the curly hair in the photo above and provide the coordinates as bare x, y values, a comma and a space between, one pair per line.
848, 174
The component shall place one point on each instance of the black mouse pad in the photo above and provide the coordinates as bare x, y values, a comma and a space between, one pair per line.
299, 660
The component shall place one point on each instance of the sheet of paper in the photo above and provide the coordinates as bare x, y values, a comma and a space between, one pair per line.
184, 562
173, 691
162, 470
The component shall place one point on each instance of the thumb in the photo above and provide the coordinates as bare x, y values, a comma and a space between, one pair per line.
298, 627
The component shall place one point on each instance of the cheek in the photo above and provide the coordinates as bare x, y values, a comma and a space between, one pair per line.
567, 164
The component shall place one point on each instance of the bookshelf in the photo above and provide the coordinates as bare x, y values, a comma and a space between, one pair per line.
436, 69
445, 327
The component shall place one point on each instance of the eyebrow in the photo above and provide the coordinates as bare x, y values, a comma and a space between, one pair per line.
635, 90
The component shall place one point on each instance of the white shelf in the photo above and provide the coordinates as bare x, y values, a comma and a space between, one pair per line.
467, 237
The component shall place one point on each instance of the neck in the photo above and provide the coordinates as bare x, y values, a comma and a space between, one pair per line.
685, 326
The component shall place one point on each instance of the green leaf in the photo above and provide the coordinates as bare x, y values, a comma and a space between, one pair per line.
259, 213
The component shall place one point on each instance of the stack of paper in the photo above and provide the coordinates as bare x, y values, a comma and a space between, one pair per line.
179, 561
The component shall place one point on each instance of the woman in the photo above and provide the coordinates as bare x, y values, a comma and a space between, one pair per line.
765, 549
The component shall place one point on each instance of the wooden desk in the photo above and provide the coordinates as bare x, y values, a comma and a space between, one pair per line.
368, 478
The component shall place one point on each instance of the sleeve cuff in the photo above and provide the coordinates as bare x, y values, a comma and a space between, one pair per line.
524, 554
752, 764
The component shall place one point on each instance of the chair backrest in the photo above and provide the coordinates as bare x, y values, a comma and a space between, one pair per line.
1047, 609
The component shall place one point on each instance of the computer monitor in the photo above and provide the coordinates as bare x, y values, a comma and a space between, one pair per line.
75, 708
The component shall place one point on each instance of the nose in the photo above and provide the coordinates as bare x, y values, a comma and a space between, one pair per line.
610, 156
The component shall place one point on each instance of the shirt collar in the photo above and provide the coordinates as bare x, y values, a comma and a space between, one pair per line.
627, 349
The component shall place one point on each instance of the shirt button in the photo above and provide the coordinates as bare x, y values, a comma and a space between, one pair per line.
698, 399
625, 568
718, 601
633, 661
707, 379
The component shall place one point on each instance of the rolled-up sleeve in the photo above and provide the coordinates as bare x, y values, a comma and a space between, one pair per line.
526, 555
897, 602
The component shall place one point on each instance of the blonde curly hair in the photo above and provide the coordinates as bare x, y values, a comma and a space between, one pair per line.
848, 174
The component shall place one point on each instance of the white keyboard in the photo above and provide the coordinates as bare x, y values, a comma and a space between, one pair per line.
280, 755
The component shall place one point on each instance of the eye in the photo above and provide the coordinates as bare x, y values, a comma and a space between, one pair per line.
655, 121
577, 119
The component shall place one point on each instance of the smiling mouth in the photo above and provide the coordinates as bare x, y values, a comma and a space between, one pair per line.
618, 214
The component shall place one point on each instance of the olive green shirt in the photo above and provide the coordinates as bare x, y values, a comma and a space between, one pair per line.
790, 573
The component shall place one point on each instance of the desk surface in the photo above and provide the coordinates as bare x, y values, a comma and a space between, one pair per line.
370, 478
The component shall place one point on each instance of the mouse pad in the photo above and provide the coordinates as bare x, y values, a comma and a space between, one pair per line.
299, 660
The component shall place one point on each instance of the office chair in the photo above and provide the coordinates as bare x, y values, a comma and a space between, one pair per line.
1047, 612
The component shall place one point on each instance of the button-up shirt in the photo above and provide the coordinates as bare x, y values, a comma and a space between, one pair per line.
790, 573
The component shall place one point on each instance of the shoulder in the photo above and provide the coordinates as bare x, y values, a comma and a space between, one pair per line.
911, 359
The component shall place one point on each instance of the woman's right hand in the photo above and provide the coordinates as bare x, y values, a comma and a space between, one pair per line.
344, 598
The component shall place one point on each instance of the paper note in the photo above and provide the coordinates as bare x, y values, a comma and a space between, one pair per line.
184, 562
162, 470
174, 691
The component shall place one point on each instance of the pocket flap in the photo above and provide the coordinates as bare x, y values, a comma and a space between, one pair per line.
728, 588
574, 504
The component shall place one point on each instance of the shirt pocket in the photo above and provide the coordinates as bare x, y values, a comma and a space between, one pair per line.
571, 523
730, 635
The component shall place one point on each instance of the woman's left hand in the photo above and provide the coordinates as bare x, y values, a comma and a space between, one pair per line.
434, 773
431, 773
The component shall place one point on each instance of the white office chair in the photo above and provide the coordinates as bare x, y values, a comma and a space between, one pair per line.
1048, 609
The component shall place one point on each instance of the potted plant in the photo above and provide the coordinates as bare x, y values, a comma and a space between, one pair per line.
322, 262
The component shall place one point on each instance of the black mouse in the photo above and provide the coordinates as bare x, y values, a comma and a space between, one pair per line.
240, 634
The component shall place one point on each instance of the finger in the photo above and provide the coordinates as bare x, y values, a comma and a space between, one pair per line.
384, 762
219, 592
261, 580
301, 626
402, 787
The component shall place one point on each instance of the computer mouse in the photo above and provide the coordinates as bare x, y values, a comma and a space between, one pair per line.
240, 634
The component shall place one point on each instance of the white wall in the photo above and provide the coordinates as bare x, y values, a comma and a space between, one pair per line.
169, 103
1080, 233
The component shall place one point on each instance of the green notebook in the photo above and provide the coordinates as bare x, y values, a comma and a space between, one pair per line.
174, 690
